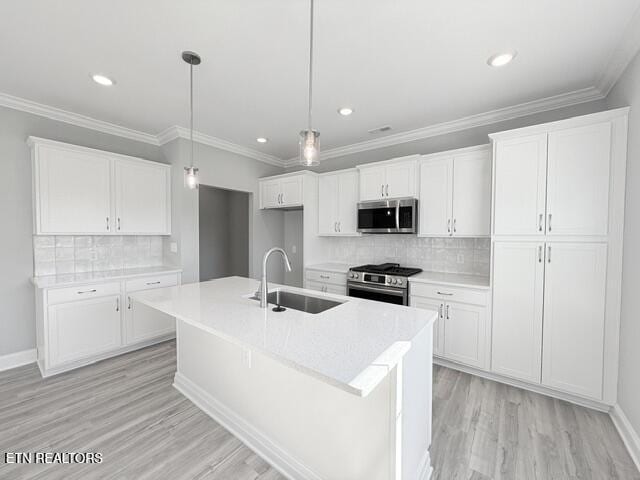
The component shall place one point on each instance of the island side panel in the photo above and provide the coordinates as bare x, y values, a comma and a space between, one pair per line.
307, 428
417, 385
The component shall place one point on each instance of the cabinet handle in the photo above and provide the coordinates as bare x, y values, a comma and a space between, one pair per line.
128, 303
118, 223
117, 304
325, 277
549, 223
153, 283
541, 216
382, 190
335, 226
454, 225
549, 254
107, 224
449, 225
448, 318
282, 198
540, 254
87, 291
339, 230
387, 189
443, 293
440, 310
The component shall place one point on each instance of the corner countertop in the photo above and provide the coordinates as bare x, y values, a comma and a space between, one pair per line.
70, 279
335, 267
451, 279
352, 346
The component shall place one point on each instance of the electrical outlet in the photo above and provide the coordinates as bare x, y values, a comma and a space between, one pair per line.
173, 247
246, 357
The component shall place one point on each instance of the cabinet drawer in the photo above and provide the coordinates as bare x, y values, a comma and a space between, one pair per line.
82, 292
147, 283
326, 277
454, 294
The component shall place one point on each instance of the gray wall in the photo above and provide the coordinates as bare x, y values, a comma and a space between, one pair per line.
222, 169
223, 233
293, 238
461, 139
17, 321
627, 93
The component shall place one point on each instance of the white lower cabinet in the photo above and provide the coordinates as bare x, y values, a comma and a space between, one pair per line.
461, 331
81, 324
325, 281
84, 328
549, 314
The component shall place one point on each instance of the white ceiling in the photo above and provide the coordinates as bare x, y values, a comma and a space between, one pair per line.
406, 63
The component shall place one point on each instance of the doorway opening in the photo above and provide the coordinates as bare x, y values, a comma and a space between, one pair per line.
223, 217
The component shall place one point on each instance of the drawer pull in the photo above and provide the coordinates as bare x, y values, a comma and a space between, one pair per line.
325, 277
117, 304
128, 303
443, 293
87, 291
153, 283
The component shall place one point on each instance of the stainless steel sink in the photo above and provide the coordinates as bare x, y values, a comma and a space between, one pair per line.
296, 301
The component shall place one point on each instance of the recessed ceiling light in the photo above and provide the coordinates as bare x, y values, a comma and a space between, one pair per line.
345, 111
102, 80
501, 59
262, 140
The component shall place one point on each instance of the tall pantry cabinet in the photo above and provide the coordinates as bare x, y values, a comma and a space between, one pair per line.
557, 228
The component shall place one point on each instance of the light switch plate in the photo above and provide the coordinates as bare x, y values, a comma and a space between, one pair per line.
173, 247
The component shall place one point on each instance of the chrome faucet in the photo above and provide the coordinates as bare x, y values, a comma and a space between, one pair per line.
262, 292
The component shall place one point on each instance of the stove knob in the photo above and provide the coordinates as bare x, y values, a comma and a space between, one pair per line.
356, 275
390, 281
399, 281
351, 275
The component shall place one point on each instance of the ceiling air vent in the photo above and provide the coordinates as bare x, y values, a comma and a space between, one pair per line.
382, 129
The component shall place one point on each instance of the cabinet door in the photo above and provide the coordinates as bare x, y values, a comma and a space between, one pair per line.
574, 308
73, 192
438, 331
520, 185
518, 279
348, 203
335, 289
328, 205
143, 203
465, 333
145, 323
83, 329
372, 183
578, 180
291, 191
472, 195
270, 194
435, 207
401, 180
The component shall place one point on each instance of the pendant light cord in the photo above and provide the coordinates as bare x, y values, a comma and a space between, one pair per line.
310, 64
191, 108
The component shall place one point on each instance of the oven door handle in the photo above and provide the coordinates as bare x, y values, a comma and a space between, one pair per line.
397, 293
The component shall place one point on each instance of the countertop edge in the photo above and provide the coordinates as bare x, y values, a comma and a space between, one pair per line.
36, 281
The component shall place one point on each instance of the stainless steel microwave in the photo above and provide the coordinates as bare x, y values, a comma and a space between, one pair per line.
388, 216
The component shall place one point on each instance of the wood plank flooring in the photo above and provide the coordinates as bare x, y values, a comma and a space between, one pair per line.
127, 409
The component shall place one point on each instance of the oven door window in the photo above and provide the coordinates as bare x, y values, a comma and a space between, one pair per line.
378, 295
383, 217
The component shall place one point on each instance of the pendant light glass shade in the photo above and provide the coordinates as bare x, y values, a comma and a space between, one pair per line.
191, 177
309, 147
191, 173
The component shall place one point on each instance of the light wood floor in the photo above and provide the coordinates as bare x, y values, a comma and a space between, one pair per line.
127, 409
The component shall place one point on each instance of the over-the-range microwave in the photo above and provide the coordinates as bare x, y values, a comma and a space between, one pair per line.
398, 215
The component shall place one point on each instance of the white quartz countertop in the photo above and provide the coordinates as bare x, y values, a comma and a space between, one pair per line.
69, 279
352, 346
451, 279
335, 267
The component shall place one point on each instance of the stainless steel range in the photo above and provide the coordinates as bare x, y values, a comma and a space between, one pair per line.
387, 282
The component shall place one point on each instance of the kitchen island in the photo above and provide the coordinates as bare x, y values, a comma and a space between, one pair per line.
341, 394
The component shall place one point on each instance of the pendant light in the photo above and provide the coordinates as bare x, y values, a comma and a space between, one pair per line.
310, 138
191, 173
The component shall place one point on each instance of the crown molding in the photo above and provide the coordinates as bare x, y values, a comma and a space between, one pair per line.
176, 131
622, 55
479, 120
60, 115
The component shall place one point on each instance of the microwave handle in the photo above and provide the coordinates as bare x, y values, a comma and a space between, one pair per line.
397, 214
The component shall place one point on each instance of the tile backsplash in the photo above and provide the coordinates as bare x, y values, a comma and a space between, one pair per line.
449, 255
81, 254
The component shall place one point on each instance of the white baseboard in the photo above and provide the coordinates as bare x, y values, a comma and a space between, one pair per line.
273, 454
17, 359
627, 432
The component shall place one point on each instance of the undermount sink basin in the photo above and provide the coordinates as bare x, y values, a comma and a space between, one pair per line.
297, 301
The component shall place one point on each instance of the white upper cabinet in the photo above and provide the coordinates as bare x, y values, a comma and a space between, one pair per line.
72, 192
82, 191
282, 192
455, 194
520, 167
578, 180
143, 203
574, 317
337, 205
390, 179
